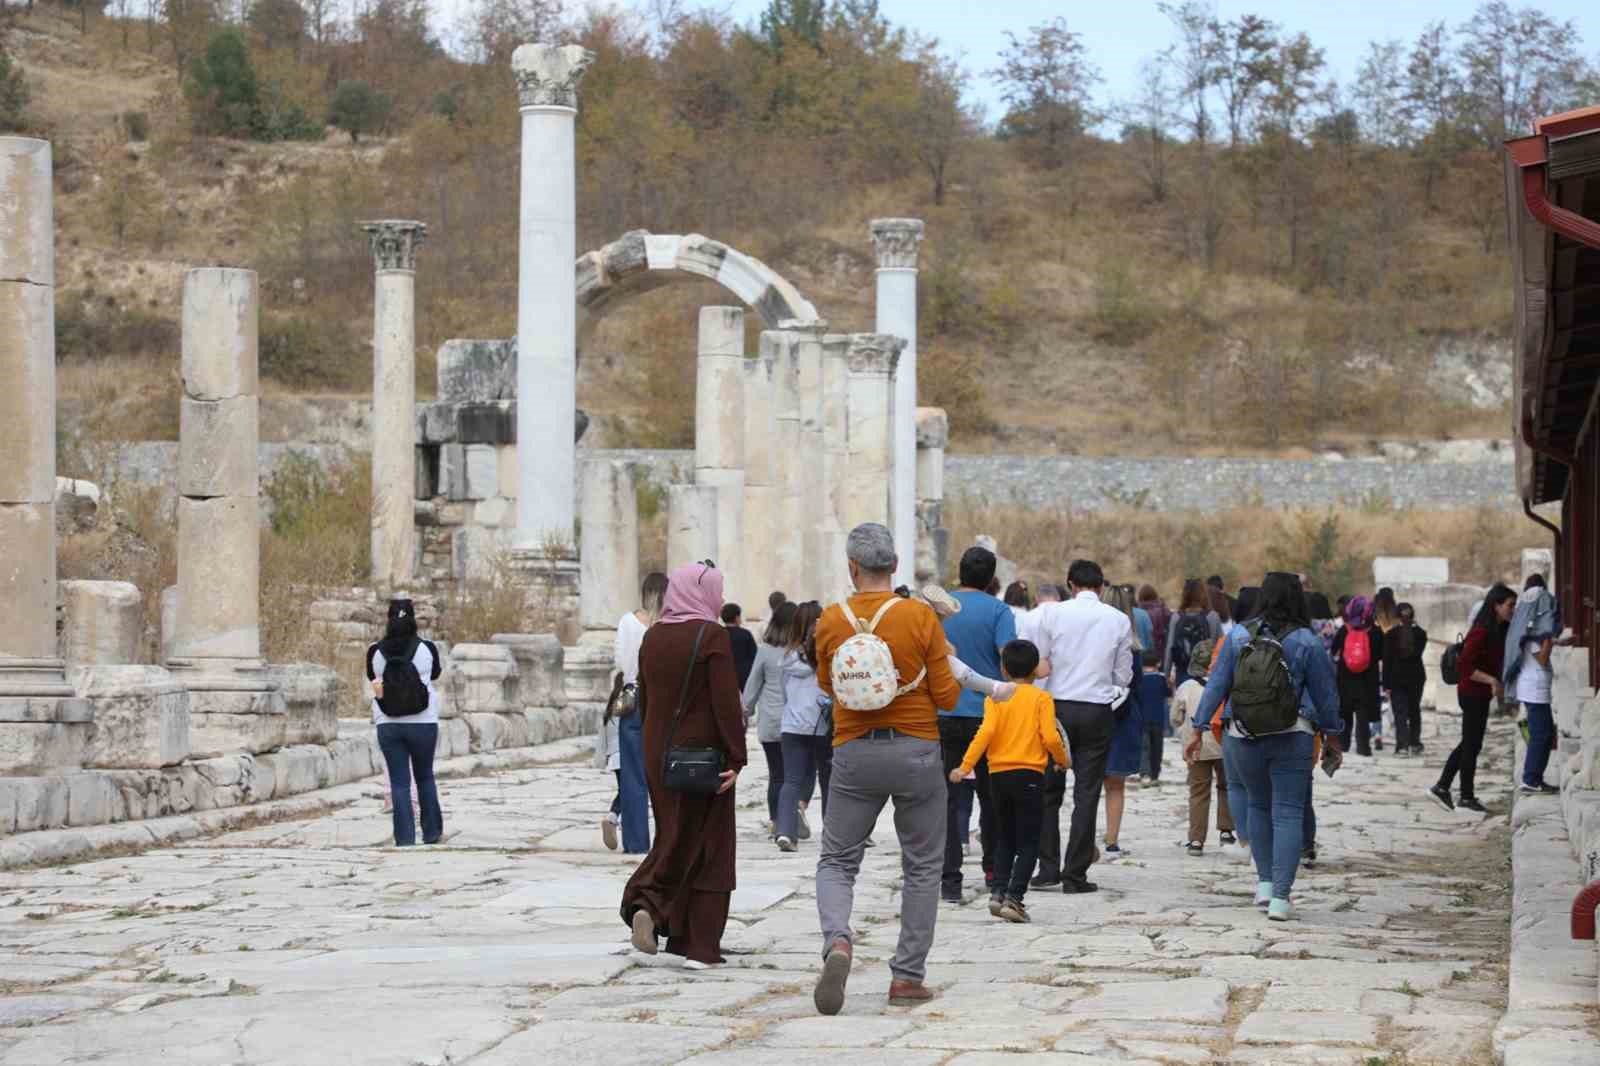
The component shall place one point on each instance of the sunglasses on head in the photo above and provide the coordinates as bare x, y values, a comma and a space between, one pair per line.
709, 565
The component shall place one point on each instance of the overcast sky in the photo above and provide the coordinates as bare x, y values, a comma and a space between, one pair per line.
1121, 33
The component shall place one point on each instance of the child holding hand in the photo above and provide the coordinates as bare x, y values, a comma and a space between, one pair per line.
1018, 735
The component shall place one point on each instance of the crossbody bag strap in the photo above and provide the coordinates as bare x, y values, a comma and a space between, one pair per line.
683, 692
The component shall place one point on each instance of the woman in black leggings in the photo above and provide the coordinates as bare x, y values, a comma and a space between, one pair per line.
1479, 670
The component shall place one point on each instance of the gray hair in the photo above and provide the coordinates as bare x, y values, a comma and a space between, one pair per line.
871, 547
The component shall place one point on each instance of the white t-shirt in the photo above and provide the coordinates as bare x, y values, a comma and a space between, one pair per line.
1533, 680
424, 662
625, 653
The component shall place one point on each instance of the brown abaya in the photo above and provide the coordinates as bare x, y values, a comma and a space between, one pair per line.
686, 880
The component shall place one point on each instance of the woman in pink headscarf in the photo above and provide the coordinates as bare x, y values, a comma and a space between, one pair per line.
1358, 651
681, 889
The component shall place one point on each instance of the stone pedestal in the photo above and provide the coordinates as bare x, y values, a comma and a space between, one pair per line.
539, 669
609, 554
691, 525
480, 679
547, 88
871, 360
215, 651
719, 434
42, 722
141, 717
896, 241
102, 623
310, 702
394, 245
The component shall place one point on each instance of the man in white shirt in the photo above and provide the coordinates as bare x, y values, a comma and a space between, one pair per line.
1089, 649
1028, 624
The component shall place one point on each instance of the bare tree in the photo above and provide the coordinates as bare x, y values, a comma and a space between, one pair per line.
941, 125
1047, 79
1292, 90
1243, 48
1433, 98
494, 28
1519, 65
1379, 94
1148, 122
1194, 58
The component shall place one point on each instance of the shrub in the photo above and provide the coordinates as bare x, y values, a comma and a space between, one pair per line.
305, 351
13, 95
136, 124
358, 108
88, 328
1123, 312
324, 513
1314, 546
223, 95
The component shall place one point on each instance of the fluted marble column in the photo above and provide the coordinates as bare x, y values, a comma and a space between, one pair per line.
872, 359
394, 399
897, 241
33, 688
719, 435
547, 378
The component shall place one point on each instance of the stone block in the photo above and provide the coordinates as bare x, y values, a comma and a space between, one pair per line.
474, 553
219, 334
436, 423
496, 512
217, 447
481, 679
482, 471
933, 428
353, 759
28, 252
539, 668
506, 461
310, 702
300, 769
169, 620
217, 734
32, 803
102, 622
219, 592
454, 739
491, 732
477, 371
41, 747
77, 505
141, 716
90, 799
587, 672
1538, 561
27, 393
452, 483
1410, 570
1443, 610
487, 423
28, 577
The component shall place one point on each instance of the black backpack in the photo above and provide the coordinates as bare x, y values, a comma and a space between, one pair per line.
1449, 662
1193, 630
1265, 698
404, 693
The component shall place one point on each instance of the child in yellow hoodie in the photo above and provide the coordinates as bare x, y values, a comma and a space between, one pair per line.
1018, 735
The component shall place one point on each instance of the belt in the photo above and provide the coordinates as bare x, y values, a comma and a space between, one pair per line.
884, 733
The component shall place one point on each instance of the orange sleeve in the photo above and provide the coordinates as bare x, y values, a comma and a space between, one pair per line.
826, 646
980, 742
942, 684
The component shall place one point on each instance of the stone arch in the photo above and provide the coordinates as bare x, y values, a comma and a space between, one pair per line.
640, 261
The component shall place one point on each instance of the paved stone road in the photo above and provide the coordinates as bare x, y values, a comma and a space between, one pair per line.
308, 943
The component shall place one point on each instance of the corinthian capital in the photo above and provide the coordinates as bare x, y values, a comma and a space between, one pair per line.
896, 240
395, 242
873, 353
548, 74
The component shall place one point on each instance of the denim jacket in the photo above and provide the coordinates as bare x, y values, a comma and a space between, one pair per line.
1537, 617
1309, 665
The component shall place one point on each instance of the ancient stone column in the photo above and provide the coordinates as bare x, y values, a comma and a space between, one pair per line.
42, 727
933, 540
691, 525
394, 399
609, 553
547, 379
871, 412
216, 642
833, 416
760, 520
896, 240
788, 461
719, 434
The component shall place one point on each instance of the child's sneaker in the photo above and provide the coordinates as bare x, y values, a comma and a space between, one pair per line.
1194, 847
1113, 850
996, 902
1012, 910
1227, 837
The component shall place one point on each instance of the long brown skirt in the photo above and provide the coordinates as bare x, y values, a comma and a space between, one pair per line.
683, 884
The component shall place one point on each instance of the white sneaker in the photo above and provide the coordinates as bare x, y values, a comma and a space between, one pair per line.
785, 844
608, 831
804, 826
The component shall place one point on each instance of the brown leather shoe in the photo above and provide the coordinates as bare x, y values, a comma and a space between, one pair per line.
829, 993
908, 993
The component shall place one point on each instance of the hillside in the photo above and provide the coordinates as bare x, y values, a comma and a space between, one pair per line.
1065, 309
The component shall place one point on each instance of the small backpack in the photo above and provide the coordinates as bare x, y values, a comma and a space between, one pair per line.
404, 694
1193, 629
1449, 662
1357, 654
1265, 698
863, 670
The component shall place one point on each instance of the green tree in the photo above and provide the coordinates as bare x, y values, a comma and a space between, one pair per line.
278, 23
224, 96
357, 108
786, 20
1046, 79
13, 94
1243, 50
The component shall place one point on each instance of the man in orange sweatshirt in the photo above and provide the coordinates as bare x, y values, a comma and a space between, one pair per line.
890, 753
1017, 736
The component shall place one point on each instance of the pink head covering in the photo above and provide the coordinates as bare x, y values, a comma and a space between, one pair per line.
694, 594
1358, 613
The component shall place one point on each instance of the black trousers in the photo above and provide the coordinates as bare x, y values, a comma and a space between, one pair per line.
1474, 721
1089, 727
955, 736
1407, 703
1018, 813
1154, 737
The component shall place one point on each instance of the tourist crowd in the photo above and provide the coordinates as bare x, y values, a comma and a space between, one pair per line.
987, 700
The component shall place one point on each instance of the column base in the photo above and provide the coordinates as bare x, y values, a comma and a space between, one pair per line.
42, 734
234, 706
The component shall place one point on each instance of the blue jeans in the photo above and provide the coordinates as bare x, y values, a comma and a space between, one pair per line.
805, 759
408, 748
1308, 833
1541, 732
635, 793
1238, 802
1275, 770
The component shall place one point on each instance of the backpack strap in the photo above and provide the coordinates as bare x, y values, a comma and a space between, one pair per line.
876, 618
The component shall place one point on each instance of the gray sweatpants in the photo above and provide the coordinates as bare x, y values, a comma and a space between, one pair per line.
867, 773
